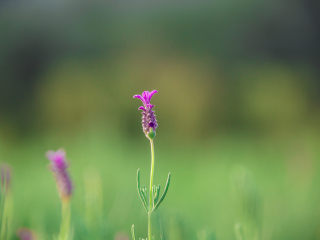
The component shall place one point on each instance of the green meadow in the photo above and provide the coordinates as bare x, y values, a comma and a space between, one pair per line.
215, 184
238, 108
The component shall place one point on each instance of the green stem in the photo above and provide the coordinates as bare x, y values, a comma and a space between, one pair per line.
7, 208
150, 190
149, 225
4, 219
65, 221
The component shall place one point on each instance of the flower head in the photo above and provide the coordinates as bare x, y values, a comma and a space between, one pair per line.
149, 122
59, 165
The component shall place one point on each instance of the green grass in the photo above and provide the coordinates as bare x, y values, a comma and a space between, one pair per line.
285, 178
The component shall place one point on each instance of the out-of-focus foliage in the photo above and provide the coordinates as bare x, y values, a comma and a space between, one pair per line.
276, 192
219, 65
238, 85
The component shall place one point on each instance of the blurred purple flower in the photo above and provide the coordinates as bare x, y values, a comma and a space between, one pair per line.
59, 165
148, 118
5, 177
25, 234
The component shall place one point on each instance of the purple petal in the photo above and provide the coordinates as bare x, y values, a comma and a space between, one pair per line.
138, 96
141, 98
151, 94
57, 156
142, 108
145, 95
150, 106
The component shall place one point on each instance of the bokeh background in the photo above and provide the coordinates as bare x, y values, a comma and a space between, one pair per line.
238, 111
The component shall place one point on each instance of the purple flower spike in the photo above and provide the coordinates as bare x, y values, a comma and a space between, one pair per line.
5, 177
149, 122
58, 165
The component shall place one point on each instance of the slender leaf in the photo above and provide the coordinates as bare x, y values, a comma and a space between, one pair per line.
143, 200
133, 233
164, 193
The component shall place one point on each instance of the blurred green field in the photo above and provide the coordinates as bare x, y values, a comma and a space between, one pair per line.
285, 178
238, 111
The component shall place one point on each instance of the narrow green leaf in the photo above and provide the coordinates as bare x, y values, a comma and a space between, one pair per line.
144, 193
154, 193
144, 200
140, 192
158, 194
133, 233
164, 193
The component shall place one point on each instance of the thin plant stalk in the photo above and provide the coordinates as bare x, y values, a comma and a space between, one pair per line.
4, 225
65, 221
6, 203
150, 190
6, 217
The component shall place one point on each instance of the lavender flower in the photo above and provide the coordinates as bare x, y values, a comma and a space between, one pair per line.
5, 177
150, 199
58, 165
149, 122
